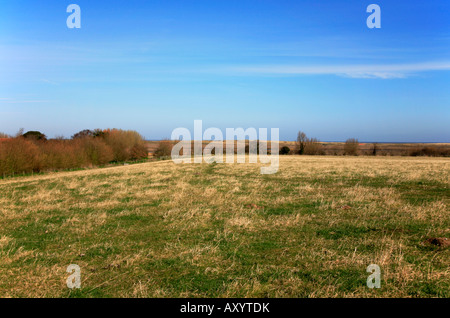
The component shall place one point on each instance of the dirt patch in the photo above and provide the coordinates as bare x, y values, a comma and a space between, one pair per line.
438, 241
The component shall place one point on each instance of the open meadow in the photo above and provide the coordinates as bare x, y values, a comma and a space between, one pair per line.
158, 229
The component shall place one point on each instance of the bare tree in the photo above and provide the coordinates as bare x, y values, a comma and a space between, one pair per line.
301, 142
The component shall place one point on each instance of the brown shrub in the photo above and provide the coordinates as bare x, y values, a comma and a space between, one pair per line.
313, 147
125, 144
63, 154
97, 151
164, 149
138, 151
30, 154
19, 155
351, 147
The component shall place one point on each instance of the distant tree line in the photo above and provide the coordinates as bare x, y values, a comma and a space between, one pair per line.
351, 147
33, 152
312, 146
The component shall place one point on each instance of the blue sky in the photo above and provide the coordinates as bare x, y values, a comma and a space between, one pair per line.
153, 66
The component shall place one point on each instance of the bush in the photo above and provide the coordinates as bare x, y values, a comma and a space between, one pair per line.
285, 150
308, 146
313, 147
97, 151
34, 135
125, 144
83, 134
33, 152
138, 151
98, 133
19, 155
351, 147
63, 154
164, 149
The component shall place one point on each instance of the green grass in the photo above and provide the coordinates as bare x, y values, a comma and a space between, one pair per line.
163, 230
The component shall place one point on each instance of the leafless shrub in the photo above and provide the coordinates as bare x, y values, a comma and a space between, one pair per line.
18, 155
125, 144
351, 147
97, 151
313, 147
33, 152
164, 149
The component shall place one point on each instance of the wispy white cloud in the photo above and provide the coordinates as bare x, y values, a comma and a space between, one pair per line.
355, 71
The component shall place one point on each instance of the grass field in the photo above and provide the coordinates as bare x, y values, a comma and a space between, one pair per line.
163, 230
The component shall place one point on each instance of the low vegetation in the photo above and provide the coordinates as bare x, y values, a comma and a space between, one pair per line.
32, 152
285, 150
164, 149
308, 146
159, 229
351, 147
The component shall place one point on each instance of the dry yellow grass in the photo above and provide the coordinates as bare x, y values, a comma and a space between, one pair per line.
224, 230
